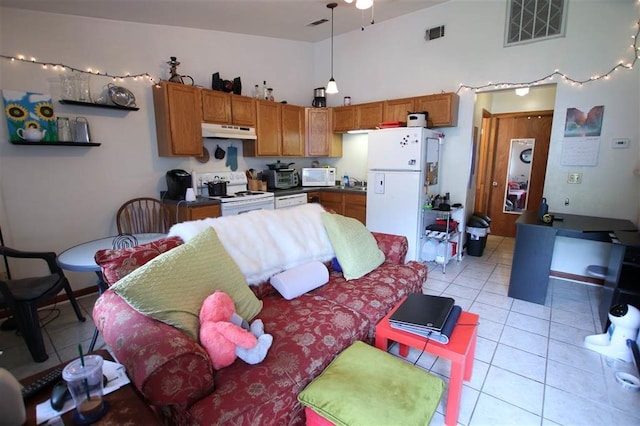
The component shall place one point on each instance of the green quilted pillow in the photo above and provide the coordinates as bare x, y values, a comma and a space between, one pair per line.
356, 249
172, 286
367, 386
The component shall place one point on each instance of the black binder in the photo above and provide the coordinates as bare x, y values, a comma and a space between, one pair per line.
423, 310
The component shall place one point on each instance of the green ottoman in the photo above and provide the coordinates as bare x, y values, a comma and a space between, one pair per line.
367, 386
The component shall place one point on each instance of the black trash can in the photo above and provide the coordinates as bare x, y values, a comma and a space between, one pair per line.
477, 230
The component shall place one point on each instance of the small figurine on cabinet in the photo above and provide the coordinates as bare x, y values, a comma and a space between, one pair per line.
175, 77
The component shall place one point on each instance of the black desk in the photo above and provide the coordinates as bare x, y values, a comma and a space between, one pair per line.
622, 280
533, 249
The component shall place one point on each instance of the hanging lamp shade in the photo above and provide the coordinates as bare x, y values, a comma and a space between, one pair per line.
332, 86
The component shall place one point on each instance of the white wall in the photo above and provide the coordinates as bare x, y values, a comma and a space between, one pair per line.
392, 60
56, 197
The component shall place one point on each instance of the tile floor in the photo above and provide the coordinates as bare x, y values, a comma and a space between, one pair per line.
530, 366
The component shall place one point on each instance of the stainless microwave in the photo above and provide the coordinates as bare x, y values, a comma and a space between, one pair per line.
321, 176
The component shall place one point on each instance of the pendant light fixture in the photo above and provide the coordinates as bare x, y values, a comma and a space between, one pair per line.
332, 87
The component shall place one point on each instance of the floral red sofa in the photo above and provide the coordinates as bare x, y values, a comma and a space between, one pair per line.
174, 372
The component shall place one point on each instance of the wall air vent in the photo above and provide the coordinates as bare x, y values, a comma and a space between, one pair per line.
318, 22
434, 33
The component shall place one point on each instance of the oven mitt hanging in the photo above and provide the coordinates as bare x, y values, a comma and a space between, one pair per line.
232, 158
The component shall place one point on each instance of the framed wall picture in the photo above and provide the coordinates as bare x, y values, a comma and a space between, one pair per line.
25, 110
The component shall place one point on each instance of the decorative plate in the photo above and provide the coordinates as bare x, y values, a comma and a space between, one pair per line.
121, 96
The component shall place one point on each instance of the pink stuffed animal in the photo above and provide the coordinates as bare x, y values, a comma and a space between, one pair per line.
223, 337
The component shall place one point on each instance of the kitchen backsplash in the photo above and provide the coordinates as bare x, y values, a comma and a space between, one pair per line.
353, 162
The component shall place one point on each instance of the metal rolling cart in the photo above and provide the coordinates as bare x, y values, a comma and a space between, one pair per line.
442, 238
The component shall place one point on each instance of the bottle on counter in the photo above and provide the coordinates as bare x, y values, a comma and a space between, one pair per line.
265, 91
345, 180
256, 92
270, 94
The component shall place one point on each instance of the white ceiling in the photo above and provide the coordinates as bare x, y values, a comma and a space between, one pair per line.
285, 19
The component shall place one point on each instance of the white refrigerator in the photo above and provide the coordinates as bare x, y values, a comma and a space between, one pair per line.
402, 168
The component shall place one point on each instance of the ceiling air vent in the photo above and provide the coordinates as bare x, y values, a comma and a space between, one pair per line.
318, 22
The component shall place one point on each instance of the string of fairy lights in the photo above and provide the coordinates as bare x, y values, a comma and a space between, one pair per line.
64, 67
500, 85
566, 78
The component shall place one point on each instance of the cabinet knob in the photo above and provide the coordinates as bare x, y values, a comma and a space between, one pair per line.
494, 184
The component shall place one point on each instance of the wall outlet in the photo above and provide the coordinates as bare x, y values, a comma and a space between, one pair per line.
620, 143
574, 178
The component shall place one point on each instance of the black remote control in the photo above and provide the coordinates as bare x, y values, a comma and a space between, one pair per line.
35, 387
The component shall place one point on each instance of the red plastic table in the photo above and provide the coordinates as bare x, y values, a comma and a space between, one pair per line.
460, 351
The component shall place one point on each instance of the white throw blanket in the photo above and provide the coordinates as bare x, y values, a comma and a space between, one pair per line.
265, 242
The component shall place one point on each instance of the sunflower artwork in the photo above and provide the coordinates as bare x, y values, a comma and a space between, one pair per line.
26, 110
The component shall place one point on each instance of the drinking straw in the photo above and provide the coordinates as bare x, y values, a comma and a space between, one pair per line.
86, 383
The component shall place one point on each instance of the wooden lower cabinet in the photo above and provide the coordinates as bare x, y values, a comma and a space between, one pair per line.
333, 201
346, 204
355, 206
185, 212
313, 197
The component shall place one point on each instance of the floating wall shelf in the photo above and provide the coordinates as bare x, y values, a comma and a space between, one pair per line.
91, 104
85, 144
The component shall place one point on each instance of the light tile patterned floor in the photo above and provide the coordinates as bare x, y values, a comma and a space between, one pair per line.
530, 366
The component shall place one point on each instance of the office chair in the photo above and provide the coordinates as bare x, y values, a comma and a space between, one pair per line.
23, 296
143, 215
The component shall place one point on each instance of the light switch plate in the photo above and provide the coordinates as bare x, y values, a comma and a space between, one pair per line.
620, 143
574, 178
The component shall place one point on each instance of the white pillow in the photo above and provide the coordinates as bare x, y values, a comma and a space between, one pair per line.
301, 279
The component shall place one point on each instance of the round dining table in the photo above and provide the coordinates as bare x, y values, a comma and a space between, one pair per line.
80, 258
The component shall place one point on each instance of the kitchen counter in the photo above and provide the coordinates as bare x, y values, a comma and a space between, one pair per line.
200, 201
306, 189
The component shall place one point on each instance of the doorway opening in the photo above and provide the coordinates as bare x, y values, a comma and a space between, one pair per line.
512, 147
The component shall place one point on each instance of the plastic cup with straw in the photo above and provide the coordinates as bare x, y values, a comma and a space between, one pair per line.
86, 383
84, 380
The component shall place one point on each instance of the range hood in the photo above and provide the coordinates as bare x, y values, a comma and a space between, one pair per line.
227, 131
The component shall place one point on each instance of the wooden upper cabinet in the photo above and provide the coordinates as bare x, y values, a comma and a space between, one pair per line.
355, 117
243, 111
369, 115
225, 108
320, 139
268, 131
397, 109
178, 114
344, 118
292, 130
442, 109
216, 107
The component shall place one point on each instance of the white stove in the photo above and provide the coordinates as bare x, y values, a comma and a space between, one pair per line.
238, 199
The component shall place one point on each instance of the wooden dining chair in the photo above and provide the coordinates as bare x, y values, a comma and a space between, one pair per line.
143, 215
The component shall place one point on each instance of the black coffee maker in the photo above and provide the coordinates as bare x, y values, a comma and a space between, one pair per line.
177, 183
319, 98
